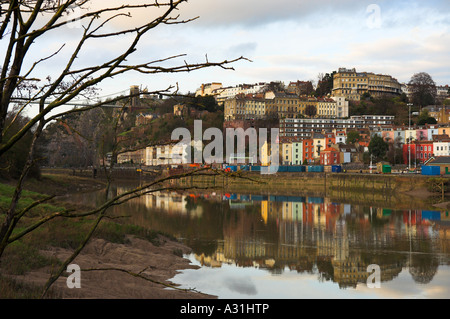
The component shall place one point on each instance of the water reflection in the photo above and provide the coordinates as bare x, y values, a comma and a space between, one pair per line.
301, 234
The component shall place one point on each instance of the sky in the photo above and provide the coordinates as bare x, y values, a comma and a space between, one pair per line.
233, 282
286, 40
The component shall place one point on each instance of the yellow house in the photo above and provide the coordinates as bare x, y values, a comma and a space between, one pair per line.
286, 153
319, 144
444, 130
264, 155
410, 134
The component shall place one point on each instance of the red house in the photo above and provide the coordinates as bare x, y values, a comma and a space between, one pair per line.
421, 151
330, 156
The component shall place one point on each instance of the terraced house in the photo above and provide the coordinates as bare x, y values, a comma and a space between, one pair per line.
352, 85
282, 105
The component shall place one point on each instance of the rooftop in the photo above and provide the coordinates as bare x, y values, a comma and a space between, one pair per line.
440, 160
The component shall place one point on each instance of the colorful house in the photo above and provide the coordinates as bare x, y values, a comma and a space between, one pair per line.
286, 154
432, 130
421, 134
308, 150
330, 156
330, 139
421, 151
340, 137
297, 152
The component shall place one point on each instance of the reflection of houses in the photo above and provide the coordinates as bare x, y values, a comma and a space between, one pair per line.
172, 204
314, 234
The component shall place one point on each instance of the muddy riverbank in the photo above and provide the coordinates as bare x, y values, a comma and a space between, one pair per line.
132, 268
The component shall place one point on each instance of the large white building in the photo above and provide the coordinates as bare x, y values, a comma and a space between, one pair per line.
305, 127
223, 93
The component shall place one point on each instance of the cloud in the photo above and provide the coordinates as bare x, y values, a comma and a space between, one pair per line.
246, 49
241, 285
285, 39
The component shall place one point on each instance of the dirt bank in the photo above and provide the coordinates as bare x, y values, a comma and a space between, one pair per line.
158, 263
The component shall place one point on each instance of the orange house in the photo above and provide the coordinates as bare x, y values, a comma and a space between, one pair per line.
330, 139
308, 150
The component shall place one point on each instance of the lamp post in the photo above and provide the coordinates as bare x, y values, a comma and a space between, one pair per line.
409, 143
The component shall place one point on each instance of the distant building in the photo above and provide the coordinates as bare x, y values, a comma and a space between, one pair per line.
305, 127
352, 85
132, 157
418, 151
300, 88
180, 110
135, 96
208, 89
330, 156
442, 92
443, 162
334, 107
223, 93
272, 104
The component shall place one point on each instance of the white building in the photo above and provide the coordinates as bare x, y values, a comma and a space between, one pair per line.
171, 154
223, 93
208, 89
441, 148
342, 106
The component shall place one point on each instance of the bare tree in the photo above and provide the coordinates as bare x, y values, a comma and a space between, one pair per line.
26, 24
423, 89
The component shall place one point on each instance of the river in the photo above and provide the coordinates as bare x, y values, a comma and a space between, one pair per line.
251, 246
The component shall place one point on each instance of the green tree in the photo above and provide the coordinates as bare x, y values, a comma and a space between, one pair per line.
324, 84
353, 137
378, 147
425, 118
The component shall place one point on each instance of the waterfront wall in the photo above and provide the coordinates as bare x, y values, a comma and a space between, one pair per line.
317, 181
388, 190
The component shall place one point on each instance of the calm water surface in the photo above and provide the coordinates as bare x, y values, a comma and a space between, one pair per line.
290, 247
